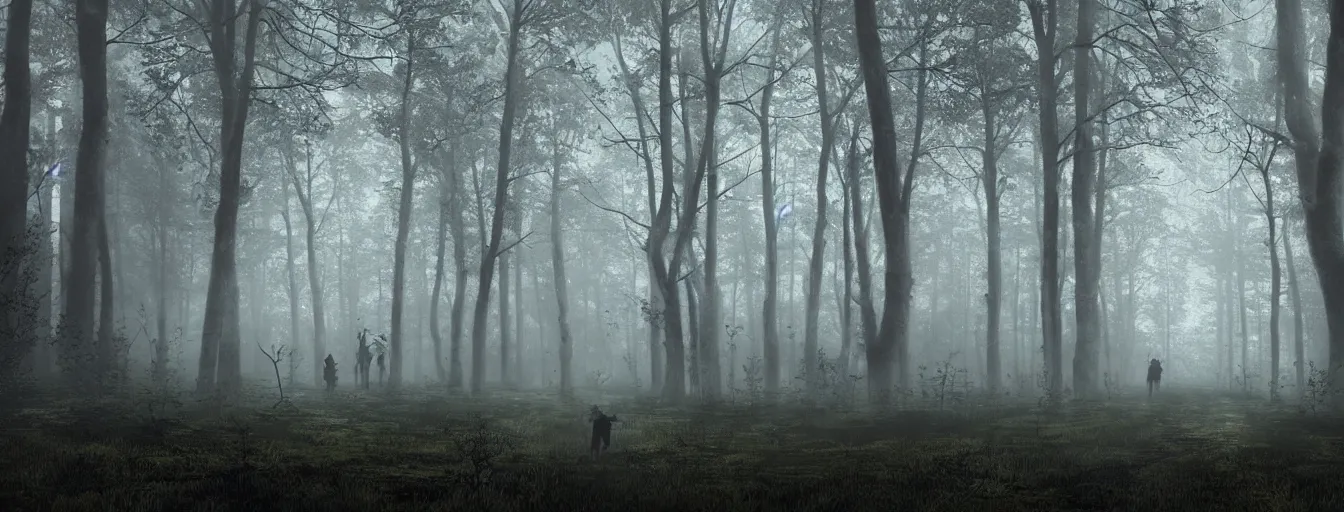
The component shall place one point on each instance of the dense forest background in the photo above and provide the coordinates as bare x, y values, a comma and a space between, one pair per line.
698, 199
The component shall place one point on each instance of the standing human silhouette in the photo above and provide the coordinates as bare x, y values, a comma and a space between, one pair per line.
1154, 376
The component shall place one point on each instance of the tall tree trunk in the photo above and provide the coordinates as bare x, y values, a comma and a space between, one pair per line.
293, 287
457, 226
404, 211
814, 275
304, 190
867, 310
504, 327
1087, 331
1319, 169
219, 369
847, 298
14, 135
561, 280
1299, 356
1241, 305
891, 344
440, 230
91, 32
989, 177
520, 375
1045, 23
1275, 278
512, 78
770, 307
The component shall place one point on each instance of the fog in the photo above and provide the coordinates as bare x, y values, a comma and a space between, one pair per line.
852, 208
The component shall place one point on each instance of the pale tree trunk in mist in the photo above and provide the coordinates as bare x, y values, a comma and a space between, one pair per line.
867, 310
561, 281
440, 229
457, 226
512, 77
770, 307
1320, 171
814, 273
520, 376
162, 266
1299, 356
219, 369
404, 212
504, 326
1045, 25
989, 178
847, 295
1275, 275
1241, 305
293, 285
304, 191
86, 368
888, 351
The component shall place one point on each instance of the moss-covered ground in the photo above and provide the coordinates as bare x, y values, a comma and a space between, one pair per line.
420, 450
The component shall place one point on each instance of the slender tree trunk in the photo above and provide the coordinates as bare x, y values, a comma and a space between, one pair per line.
1045, 23
1274, 280
994, 262
770, 307
293, 285
1241, 305
404, 213
456, 226
504, 331
512, 78
561, 280
814, 275
440, 231
847, 298
520, 375
1299, 356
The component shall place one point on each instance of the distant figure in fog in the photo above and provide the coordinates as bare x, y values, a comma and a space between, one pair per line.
1154, 376
329, 372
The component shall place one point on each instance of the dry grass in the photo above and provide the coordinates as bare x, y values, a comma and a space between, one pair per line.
1185, 450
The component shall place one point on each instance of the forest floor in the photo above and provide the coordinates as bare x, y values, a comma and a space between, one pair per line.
1181, 450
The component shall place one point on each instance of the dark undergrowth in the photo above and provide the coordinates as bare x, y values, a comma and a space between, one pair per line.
1183, 450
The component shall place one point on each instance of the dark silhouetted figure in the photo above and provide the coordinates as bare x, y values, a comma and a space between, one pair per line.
1154, 376
601, 431
363, 359
329, 372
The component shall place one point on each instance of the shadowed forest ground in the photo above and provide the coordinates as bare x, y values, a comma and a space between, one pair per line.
1183, 450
